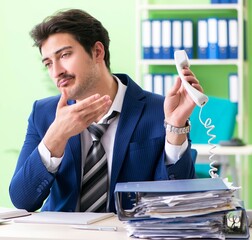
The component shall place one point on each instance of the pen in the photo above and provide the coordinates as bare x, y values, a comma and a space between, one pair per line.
97, 228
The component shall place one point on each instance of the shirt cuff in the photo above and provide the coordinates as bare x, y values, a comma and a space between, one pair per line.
51, 163
174, 152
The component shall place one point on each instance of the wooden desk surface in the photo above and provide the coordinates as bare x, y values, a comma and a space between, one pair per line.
29, 231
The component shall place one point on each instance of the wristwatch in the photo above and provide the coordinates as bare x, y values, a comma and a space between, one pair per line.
178, 130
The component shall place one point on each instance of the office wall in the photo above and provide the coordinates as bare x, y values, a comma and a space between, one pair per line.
24, 80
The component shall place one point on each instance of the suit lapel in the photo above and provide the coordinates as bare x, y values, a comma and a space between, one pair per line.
131, 111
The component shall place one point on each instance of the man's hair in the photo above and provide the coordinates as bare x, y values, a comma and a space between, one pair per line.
82, 26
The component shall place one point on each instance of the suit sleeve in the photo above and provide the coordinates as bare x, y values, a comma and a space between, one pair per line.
31, 182
184, 168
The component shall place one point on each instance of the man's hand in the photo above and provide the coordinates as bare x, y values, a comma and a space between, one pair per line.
71, 120
178, 105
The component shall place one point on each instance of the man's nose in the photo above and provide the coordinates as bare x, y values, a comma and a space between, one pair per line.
57, 70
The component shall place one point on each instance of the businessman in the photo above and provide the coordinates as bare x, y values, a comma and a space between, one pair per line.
54, 167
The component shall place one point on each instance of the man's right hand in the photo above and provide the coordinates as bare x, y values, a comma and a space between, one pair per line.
71, 120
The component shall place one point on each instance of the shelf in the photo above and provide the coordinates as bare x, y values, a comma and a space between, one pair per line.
190, 7
192, 62
145, 9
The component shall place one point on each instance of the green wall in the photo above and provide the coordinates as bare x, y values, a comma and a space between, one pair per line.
24, 80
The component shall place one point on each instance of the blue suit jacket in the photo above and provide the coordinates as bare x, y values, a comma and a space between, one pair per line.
138, 154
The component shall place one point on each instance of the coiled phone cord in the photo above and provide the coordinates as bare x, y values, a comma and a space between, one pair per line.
209, 126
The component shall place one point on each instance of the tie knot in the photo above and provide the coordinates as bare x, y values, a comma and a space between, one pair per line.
97, 130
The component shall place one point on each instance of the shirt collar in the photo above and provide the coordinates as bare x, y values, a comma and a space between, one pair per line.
118, 101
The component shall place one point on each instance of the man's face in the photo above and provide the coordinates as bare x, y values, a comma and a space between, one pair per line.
69, 65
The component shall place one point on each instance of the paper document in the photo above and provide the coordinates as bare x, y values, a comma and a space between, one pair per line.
6, 213
72, 218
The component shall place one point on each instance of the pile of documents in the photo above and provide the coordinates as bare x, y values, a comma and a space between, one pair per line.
188, 213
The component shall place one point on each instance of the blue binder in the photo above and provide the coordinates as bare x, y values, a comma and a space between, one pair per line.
158, 84
212, 38
188, 37
176, 187
176, 35
202, 39
222, 39
233, 38
146, 38
156, 39
166, 39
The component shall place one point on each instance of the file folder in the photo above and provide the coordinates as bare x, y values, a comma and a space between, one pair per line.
202, 39
156, 39
233, 38
146, 38
188, 37
168, 83
222, 39
176, 35
166, 39
174, 188
147, 82
212, 38
233, 83
158, 84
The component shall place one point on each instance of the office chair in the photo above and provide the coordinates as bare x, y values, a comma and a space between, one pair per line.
222, 113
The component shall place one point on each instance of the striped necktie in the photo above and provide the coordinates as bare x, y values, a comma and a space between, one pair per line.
95, 175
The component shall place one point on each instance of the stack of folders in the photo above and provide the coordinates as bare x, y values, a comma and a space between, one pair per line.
161, 37
218, 38
224, 1
158, 83
183, 209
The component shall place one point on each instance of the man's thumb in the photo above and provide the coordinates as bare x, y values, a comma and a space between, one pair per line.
63, 99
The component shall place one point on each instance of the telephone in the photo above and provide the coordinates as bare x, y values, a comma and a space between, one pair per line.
181, 60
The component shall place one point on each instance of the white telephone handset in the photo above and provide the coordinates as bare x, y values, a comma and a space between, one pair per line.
181, 60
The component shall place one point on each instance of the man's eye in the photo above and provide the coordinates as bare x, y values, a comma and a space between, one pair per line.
64, 55
47, 65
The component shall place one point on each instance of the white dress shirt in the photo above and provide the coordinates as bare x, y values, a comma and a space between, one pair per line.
173, 153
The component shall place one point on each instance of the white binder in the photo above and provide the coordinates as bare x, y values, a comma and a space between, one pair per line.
147, 82
168, 83
212, 38
202, 39
176, 35
233, 38
188, 37
156, 38
233, 82
166, 39
146, 38
158, 84
222, 39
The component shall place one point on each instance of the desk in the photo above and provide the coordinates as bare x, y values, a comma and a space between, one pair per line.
27, 231
30, 231
241, 154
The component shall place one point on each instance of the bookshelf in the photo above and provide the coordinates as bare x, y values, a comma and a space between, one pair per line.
210, 72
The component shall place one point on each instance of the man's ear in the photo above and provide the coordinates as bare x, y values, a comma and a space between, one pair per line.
98, 51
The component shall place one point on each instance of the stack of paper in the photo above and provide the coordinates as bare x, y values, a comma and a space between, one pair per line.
8, 213
182, 209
